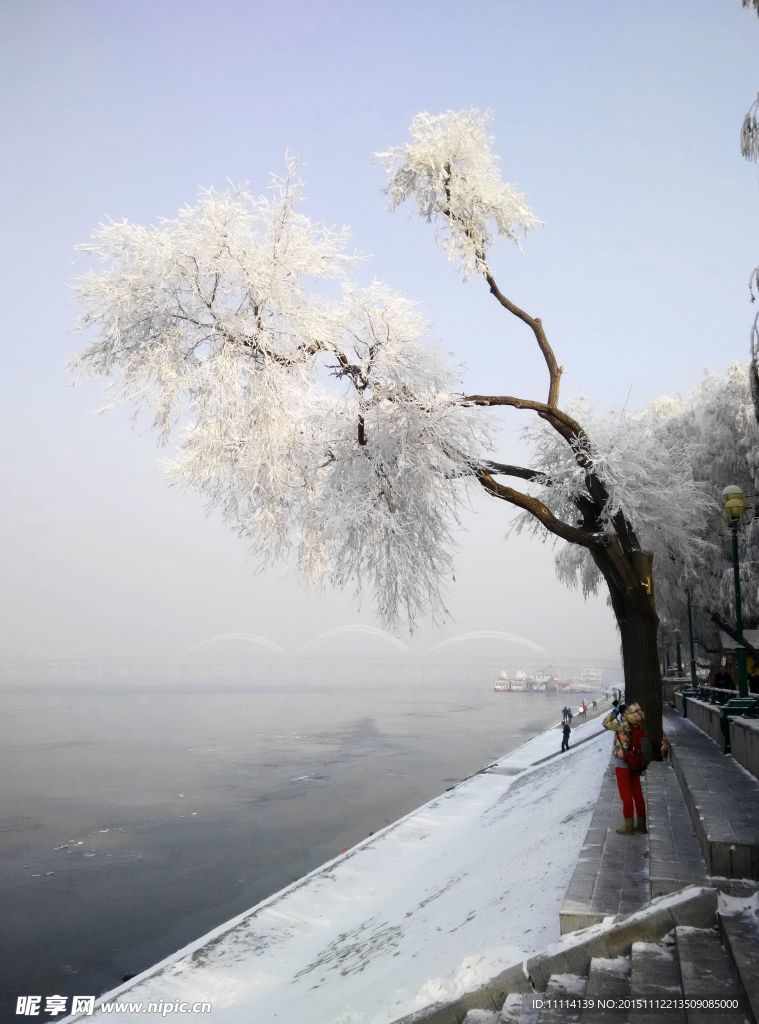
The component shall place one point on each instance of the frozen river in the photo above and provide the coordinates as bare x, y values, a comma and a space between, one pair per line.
135, 819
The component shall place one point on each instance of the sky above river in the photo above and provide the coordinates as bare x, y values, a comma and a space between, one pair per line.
620, 122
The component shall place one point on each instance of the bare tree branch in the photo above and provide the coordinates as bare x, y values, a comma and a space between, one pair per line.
568, 427
536, 326
540, 511
534, 323
501, 469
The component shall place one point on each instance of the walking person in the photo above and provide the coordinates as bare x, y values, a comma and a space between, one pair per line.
565, 737
723, 679
632, 749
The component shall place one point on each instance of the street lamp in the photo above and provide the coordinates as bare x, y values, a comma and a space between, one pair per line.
678, 648
690, 641
735, 507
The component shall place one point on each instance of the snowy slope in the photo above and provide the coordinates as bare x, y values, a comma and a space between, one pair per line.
430, 907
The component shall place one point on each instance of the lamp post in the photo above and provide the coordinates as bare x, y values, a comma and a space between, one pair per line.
678, 649
690, 640
735, 507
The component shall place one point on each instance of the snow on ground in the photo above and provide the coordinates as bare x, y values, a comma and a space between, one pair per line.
431, 907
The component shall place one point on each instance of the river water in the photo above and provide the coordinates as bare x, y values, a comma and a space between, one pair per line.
134, 819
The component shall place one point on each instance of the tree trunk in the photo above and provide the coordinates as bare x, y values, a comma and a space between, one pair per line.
638, 624
643, 685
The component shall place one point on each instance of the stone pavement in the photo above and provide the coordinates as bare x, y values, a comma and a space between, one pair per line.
722, 798
675, 857
618, 874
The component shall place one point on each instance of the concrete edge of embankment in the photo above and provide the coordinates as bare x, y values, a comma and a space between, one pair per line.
695, 906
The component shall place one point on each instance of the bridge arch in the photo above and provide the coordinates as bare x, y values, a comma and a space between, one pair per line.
374, 631
489, 634
250, 638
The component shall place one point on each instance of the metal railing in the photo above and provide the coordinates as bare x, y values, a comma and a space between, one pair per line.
729, 703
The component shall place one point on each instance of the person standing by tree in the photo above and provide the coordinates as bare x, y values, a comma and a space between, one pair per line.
633, 751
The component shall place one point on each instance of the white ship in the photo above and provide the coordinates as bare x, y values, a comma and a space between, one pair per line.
507, 683
520, 682
592, 678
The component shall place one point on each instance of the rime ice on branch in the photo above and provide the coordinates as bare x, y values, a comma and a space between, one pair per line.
311, 411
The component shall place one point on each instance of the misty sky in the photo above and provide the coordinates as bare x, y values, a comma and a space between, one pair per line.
621, 122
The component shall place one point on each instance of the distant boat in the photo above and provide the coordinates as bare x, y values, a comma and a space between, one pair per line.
506, 683
592, 677
520, 682
547, 681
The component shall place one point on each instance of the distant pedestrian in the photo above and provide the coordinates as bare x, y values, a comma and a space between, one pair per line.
594, 704
570, 716
565, 737
723, 679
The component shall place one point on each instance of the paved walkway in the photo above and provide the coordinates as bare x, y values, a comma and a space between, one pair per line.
619, 874
703, 821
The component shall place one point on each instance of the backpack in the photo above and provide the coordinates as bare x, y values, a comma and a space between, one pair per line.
639, 751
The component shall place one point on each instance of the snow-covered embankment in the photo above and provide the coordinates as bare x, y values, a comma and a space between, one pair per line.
431, 907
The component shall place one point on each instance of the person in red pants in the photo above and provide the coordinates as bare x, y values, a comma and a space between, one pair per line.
632, 749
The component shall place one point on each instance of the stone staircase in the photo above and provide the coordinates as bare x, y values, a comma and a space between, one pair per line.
691, 964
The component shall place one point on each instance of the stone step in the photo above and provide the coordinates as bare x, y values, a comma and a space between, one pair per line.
519, 1008
675, 857
486, 1017
722, 798
689, 962
656, 974
739, 927
572, 953
564, 989
707, 972
511, 1012
607, 978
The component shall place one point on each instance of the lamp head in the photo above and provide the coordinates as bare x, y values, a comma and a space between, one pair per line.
735, 504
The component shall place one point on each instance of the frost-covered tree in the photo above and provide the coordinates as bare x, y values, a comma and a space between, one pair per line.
675, 458
310, 410
718, 422
316, 415
750, 151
